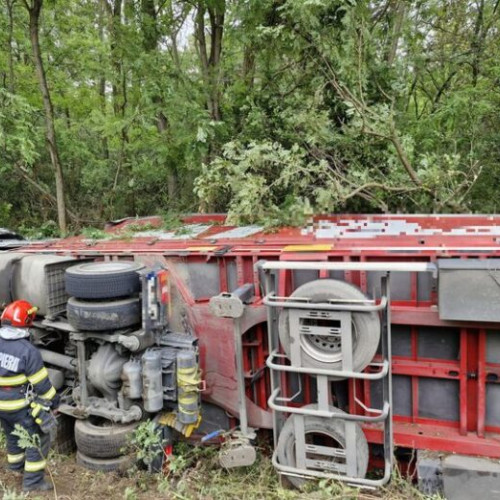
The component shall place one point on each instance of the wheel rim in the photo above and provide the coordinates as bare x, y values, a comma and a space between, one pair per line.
107, 267
325, 348
319, 437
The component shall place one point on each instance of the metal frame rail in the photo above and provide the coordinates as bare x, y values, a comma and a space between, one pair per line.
338, 312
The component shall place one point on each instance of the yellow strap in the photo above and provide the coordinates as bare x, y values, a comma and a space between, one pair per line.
13, 404
34, 466
49, 394
15, 459
14, 380
38, 376
307, 248
188, 429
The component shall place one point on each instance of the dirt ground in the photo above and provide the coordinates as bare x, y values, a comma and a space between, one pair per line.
72, 482
194, 474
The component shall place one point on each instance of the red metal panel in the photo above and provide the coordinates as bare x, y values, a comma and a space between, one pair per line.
481, 383
422, 238
414, 380
222, 275
463, 382
472, 367
432, 437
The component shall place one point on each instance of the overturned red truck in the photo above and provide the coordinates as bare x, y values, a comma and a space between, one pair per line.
347, 337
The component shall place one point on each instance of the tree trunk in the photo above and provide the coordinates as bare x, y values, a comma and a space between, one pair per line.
478, 42
34, 10
10, 31
151, 37
102, 80
397, 30
210, 62
216, 15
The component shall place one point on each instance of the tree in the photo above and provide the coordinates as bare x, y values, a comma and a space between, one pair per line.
34, 9
268, 109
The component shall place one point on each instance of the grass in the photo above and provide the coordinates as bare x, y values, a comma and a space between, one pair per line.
194, 473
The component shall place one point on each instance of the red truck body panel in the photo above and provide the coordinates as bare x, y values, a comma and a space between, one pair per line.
445, 373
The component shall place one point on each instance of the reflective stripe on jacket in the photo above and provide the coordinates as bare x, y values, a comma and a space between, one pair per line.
21, 364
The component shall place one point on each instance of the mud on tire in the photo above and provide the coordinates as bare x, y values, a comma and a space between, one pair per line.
64, 440
120, 464
100, 316
102, 441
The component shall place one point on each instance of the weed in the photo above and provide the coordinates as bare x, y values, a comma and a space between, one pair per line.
171, 221
11, 494
27, 440
129, 494
137, 227
94, 233
48, 229
146, 442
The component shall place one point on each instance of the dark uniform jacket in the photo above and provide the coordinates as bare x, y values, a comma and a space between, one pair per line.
21, 370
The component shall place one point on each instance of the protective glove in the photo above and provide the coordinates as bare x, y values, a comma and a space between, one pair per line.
43, 416
55, 402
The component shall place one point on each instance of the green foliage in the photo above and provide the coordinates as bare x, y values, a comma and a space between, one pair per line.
5, 209
47, 229
146, 442
12, 494
94, 233
313, 105
26, 440
129, 494
263, 182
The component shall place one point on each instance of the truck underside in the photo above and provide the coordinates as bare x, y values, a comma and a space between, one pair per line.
444, 326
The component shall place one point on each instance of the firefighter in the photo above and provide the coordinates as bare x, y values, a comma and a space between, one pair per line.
23, 375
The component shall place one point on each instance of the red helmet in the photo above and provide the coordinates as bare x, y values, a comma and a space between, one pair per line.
19, 313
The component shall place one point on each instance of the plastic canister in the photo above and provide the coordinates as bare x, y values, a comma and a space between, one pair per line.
152, 390
132, 379
188, 381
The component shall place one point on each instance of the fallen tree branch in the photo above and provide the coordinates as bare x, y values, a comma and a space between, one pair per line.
44, 191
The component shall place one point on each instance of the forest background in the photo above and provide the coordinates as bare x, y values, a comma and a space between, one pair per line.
266, 109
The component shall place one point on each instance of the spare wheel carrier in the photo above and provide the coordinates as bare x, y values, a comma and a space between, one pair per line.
325, 352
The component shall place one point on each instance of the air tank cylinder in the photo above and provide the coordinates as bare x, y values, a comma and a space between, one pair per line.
132, 379
152, 390
188, 383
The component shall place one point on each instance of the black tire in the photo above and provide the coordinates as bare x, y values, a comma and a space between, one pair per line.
102, 441
64, 441
119, 464
322, 352
317, 428
103, 280
101, 316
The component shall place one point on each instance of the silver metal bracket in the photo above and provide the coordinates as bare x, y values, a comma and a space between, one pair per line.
328, 323
227, 305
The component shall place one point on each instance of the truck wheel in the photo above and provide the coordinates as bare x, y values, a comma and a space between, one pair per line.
102, 438
325, 352
64, 441
103, 280
120, 464
322, 432
100, 316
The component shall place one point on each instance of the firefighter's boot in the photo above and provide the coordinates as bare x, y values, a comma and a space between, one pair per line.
41, 486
